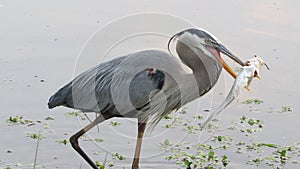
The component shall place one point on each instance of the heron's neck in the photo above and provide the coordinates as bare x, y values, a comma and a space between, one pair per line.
202, 68
199, 81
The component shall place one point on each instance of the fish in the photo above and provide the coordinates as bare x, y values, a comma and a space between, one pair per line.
249, 71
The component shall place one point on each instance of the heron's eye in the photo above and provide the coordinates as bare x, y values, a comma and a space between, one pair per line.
211, 42
208, 41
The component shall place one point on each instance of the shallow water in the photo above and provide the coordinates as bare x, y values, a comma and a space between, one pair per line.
41, 41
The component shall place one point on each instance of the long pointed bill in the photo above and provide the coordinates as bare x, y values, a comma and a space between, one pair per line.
225, 51
228, 69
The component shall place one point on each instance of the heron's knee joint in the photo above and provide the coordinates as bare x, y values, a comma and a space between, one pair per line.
74, 141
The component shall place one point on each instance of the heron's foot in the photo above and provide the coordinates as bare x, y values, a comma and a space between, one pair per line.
135, 167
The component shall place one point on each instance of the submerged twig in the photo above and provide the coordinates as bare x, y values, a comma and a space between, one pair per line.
36, 151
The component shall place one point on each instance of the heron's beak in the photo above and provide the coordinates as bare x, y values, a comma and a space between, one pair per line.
225, 51
228, 69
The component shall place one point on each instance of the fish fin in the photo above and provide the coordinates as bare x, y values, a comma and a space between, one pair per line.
246, 87
258, 77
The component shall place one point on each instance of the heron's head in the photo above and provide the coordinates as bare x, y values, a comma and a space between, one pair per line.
208, 44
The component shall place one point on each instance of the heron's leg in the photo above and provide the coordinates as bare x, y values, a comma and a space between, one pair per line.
141, 129
74, 139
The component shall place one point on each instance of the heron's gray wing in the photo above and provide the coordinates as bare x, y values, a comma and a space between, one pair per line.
125, 83
144, 86
140, 77
87, 90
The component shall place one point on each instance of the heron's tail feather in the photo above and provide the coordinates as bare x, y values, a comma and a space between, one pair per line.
61, 97
54, 101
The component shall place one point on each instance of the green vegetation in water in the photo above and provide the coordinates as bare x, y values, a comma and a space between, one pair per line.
183, 110
197, 156
35, 136
249, 125
110, 164
173, 119
192, 129
64, 141
252, 101
251, 121
222, 139
13, 120
282, 109
172, 116
279, 157
86, 138
100, 165
198, 117
74, 114
225, 161
213, 154
118, 156
285, 109
98, 140
168, 126
165, 144
115, 123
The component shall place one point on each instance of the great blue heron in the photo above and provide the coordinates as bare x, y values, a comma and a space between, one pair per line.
146, 84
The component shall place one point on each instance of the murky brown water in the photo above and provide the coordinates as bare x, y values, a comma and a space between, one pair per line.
40, 42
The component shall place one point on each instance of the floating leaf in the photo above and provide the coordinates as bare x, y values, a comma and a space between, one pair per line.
115, 123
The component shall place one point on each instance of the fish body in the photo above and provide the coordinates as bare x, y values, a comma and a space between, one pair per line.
243, 80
